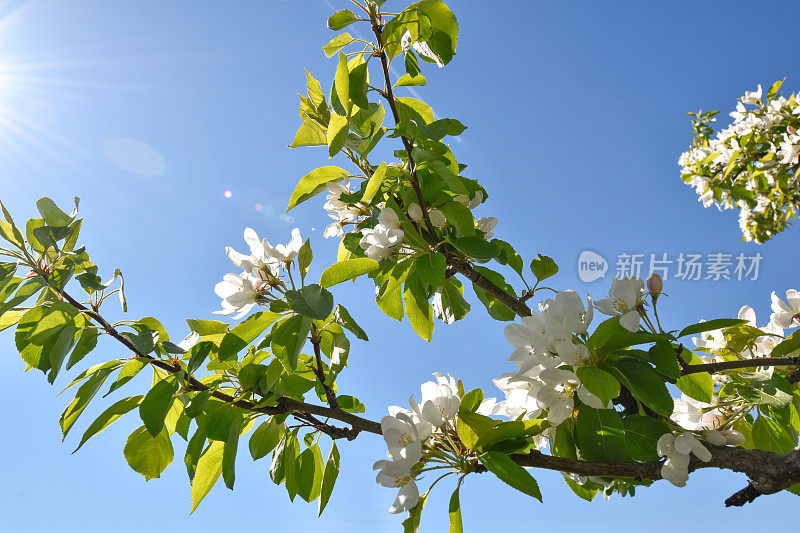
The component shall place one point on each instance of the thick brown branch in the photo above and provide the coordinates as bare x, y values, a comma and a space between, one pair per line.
768, 472
722, 366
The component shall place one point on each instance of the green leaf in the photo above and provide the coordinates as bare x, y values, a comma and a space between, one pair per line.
155, 406
443, 36
511, 473
460, 217
198, 354
391, 303
471, 426
374, 183
347, 270
109, 416
454, 511
28, 289
350, 404
343, 318
315, 182
148, 455
82, 398
11, 318
582, 491
610, 336
645, 384
430, 269
663, 355
312, 301
600, 435
329, 478
244, 333
505, 431
10, 233
771, 436
418, 309
773, 90
229, 454
699, 386
641, 434
337, 133
128, 371
51, 213
787, 347
406, 80
358, 85
776, 391
471, 401
86, 343
309, 134
599, 382
304, 257
341, 85
288, 338
711, 325
335, 44
309, 470
341, 19
543, 267
265, 438
208, 472
476, 247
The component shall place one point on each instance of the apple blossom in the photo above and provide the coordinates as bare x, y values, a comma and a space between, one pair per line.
397, 473
285, 252
379, 242
238, 294
786, 314
624, 299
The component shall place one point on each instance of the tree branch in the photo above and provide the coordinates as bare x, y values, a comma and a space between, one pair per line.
713, 368
768, 472
464, 268
283, 405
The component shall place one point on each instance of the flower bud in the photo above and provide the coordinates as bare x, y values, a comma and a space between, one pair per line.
655, 285
715, 437
437, 218
415, 212
733, 437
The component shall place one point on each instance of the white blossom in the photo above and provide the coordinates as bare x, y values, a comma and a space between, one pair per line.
238, 294
397, 473
786, 314
624, 300
379, 242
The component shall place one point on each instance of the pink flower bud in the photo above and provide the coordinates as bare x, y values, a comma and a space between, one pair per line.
655, 285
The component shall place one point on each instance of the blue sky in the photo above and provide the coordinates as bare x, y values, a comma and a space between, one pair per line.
149, 111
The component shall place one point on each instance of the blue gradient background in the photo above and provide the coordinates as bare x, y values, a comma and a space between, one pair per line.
576, 115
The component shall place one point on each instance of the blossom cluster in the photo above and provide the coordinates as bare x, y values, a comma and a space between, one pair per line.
785, 315
408, 431
261, 272
547, 341
752, 164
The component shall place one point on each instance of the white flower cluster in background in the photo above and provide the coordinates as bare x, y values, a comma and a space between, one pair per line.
752, 164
